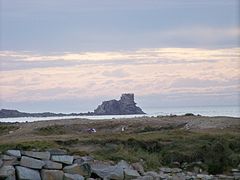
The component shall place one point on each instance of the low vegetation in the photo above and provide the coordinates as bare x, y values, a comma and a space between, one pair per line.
37, 145
6, 128
51, 130
218, 151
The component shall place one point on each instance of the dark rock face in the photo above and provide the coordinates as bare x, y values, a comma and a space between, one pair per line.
124, 106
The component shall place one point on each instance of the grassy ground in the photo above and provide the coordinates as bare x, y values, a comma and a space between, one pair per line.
6, 128
153, 141
218, 151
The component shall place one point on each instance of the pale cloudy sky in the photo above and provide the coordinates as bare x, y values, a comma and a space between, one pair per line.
69, 55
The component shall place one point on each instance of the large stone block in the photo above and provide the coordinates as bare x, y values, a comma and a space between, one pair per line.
63, 159
15, 153
7, 157
108, 172
72, 177
7, 172
80, 160
31, 162
24, 173
52, 165
130, 174
51, 174
9, 160
82, 169
38, 155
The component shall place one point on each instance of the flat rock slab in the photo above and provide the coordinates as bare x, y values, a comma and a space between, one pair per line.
51, 174
176, 170
146, 178
38, 155
130, 174
63, 159
80, 160
166, 170
8, 158
124, 164
7, 171
31, 162
24, 173
83, 169
52, 165
72, 177
108, 172
15, 153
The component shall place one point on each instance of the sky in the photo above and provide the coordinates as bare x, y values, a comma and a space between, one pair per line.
69, 55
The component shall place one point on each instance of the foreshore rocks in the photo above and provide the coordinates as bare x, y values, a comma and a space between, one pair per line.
57, 165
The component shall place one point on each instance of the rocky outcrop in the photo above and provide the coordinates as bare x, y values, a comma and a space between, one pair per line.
9, 113
88, 168
126, 105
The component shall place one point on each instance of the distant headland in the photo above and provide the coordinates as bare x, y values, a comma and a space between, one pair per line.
125, 106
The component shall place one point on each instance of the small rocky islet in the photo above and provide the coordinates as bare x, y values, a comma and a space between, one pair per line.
125, 106
56, 164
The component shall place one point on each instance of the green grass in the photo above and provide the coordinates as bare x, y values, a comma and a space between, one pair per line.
51, 130
5, 128
37, 145
219, 151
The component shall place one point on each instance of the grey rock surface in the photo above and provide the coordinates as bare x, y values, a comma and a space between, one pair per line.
108, 172
51, 174
80, 160
123, 164
225, 177
81, 169
130, 174
166, 170
236, 175
38, 155
1, 163
7, 172
126, 105
31, 162
52, 165
7, 157
146, 178
24, 173
152, 173
66, 159
72, 177
9, 160
15, 153
138, 167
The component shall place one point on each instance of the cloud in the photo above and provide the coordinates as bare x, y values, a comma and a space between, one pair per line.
118, 73
143, 71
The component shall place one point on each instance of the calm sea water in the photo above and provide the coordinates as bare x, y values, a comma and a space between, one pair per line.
233, 111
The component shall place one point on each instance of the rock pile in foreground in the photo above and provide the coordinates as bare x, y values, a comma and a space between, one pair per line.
57, 165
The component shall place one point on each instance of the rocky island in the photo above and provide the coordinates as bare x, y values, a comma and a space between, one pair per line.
126, 105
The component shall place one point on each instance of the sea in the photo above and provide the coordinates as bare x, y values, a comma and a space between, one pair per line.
231, 111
